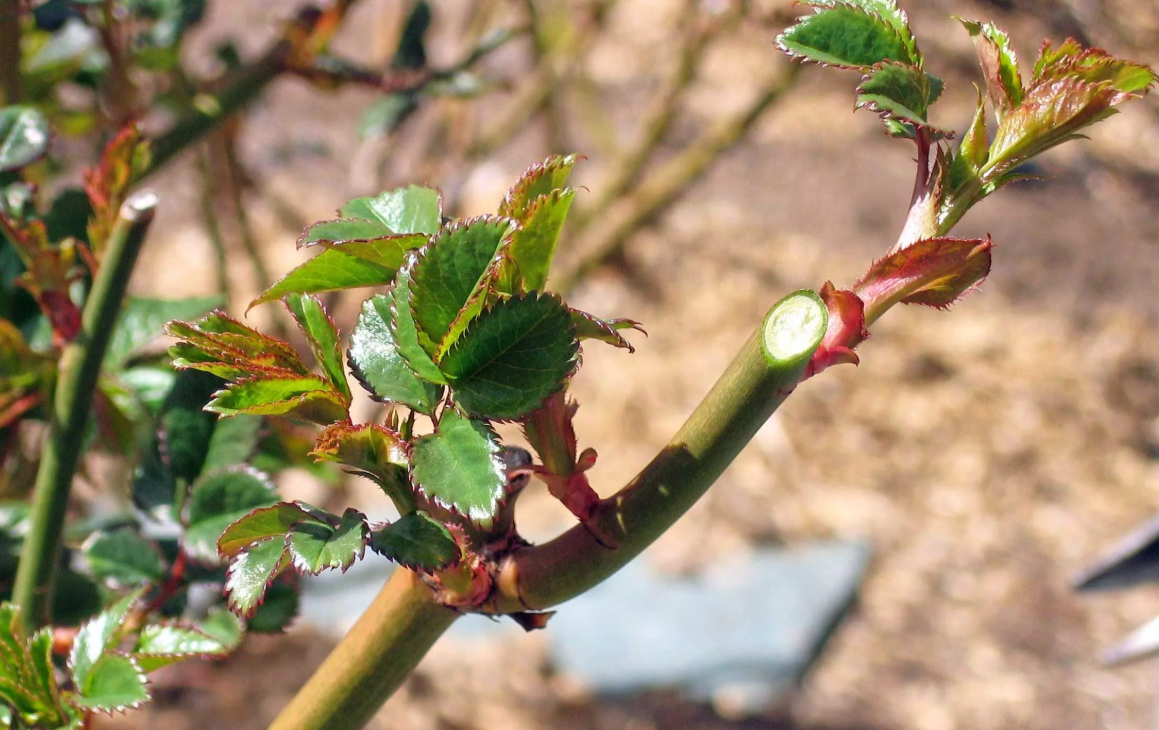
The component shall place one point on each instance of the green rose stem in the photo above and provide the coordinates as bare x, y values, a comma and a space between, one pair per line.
80, 368
405, 621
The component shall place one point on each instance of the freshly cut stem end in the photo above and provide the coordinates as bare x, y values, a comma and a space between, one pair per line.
794, 328
764, 372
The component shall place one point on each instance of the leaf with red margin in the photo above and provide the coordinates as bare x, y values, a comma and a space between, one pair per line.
307, 398
322, 338
124, 158
999, 65
262, 524
318, 545
416, 541
252, 572
935, 272
163, 643
460, 467
536, 181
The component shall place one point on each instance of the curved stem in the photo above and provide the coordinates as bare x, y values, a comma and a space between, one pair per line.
80, 369
372, 660
764, 373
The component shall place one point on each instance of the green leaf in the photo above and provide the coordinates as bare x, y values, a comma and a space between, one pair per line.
262, 524
377, 363
330, 270
124, 558
973, 151
999, 65
234, 440
450, 279
388, 252
141, 321
27, 681
225, 340
97, 638
316, 546
373, 451
897, 91
322, 337
854, 34
24, 137
218, 500
161, 644
512, 357
115, 683
406, 334
533, 245
416, 541
535, 182
590, 327
308, 398
277, 610
222, 626
412, 209
459, 467
251, 573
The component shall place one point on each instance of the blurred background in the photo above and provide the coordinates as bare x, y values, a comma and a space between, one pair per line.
984, 455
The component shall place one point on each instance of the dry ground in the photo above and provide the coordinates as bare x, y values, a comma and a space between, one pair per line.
987, 453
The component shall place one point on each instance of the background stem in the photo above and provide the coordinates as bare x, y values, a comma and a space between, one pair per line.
9, 52
80, 369
372, 660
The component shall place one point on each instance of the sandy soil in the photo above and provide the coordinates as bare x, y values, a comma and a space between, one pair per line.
987, 453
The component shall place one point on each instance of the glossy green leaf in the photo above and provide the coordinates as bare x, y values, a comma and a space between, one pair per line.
417, 541
161, 644
535, 182
330, 270
141, 321
459, 467
217, 501
450, 278
999, 65
223, 627
512, 357
308, 398
412, 209
406, 334
234, 440
262, 524
316, 546
855, 34
322, 338
377, 363
252, 571
114, 683
24, 137
277, 610
372, 451
96, 638
124, 558
897, 91
27, 681
533, 245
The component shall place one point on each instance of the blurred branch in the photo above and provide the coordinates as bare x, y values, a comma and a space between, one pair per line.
606, 236
212, 223
9, 52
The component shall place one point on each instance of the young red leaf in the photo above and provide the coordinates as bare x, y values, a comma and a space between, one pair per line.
999, 66
935, 272
373, 451
124, 158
